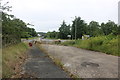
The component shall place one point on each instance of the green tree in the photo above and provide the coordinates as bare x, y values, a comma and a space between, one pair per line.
79, 27
53, 34
13, 29
109, 28
64, 31
94, 29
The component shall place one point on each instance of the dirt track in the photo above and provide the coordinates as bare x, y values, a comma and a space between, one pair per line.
85, 63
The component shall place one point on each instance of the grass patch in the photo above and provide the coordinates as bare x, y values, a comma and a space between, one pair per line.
107, 44
0, 63
11, 56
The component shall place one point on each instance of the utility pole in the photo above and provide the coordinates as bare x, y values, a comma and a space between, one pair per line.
75, 28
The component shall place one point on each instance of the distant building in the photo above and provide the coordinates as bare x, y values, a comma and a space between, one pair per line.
119, 13
84, 37
39, 35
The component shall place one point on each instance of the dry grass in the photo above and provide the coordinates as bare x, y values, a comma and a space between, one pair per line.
0, 63
12, 58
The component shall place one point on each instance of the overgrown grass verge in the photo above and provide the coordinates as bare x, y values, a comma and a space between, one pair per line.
107, 44
58, 63
12, 57
0, 62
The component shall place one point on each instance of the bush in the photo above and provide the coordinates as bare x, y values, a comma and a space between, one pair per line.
82, 44
107, 44
111, 47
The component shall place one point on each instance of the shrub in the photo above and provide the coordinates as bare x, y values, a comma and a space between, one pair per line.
111, 47
82, 44
107, 44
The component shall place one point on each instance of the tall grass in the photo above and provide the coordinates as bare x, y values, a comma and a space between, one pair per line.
107, 44
10, 56
0, 63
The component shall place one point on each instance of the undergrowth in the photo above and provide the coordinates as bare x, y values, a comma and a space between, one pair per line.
10, 56
107, 44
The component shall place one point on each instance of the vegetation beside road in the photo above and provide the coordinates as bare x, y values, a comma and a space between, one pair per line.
13, 28
12, 57
102, 37
80, 28
107, 44
13, 51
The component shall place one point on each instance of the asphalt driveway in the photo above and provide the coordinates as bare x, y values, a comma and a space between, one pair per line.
39, 65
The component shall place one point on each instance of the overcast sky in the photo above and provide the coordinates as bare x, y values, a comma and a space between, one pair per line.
47, 15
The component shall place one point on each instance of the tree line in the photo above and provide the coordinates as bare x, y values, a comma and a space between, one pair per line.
13, 29
79, 28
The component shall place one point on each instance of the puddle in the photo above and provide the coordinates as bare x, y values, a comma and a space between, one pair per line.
87, 64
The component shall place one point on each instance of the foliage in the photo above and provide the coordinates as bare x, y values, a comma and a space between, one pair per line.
64, 31
109, 28
100, 43
53, 35
94, 29
80, 28
14, 29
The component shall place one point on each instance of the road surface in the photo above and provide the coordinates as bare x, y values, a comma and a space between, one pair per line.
84, 63
38, 65
52, 40
43, 40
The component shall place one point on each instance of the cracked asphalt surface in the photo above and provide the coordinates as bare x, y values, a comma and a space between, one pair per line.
84, 63
38, 65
